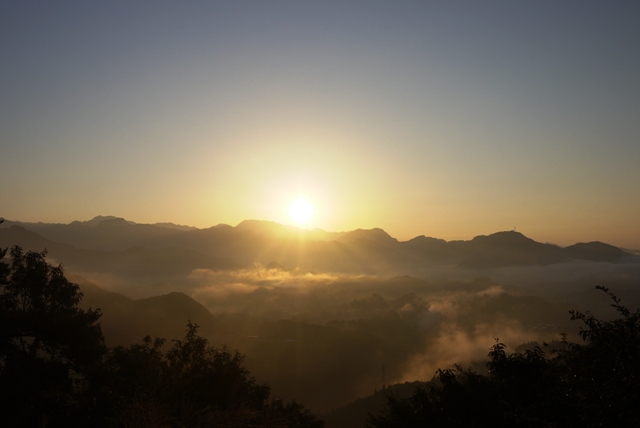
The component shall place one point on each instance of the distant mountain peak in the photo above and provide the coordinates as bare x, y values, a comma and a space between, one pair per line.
376, 234
97, 220
114, 222
429, 239
169, 225
595, 251
257, 224
504, 237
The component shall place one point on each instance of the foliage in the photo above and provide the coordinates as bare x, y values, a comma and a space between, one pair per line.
603, 374
56, 371
192, 384
47, 344
584, 385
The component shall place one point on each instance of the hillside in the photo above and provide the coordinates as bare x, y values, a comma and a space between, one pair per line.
103, 243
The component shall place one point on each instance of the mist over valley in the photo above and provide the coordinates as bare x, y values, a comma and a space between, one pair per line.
324, 317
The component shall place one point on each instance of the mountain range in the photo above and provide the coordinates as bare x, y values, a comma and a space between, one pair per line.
326, 317
108, 243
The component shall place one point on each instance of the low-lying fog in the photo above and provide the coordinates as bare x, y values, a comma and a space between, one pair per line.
327, 339
326, 318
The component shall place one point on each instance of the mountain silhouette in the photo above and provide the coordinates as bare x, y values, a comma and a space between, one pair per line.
99, 233
114, 244
134, 261
509, 249
94, 221
595, 252
125, 320
373, 235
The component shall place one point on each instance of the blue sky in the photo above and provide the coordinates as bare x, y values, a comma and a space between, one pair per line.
448, 119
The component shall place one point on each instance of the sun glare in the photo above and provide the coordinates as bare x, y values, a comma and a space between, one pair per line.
301, 211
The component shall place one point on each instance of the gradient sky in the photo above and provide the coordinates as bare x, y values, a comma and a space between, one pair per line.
446, 119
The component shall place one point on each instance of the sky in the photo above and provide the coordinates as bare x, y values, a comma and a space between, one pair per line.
441, 118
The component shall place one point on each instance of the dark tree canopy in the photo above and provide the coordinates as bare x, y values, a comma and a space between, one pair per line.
55, 370
192, 384
594, 384
47, 343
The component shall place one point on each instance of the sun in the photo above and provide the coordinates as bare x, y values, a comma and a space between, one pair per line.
301, 211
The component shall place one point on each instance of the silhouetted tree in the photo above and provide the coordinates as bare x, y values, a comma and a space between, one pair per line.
192, 384
603, 374
47, 343
593, 384
56, 372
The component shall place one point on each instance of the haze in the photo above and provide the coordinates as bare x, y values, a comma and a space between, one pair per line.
318, 314
445, 119
352, 194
